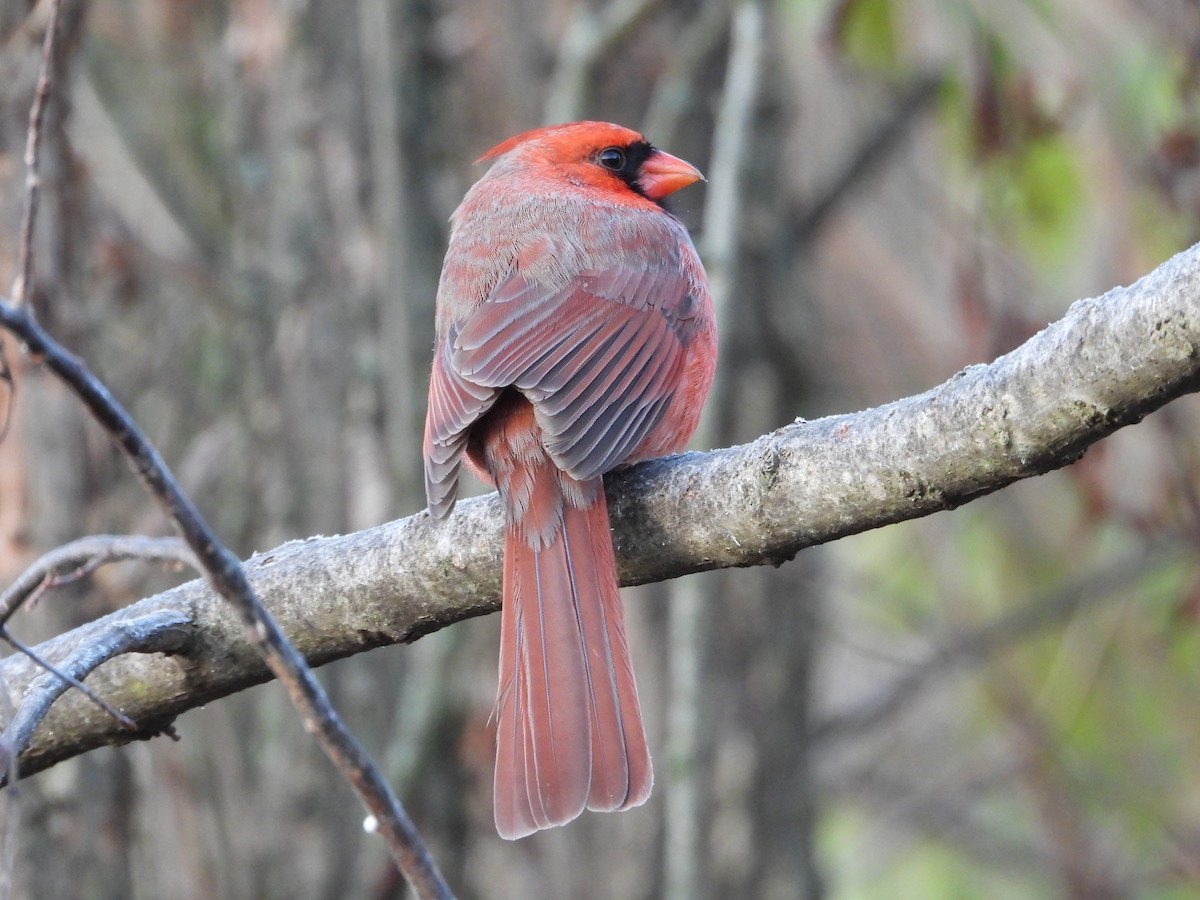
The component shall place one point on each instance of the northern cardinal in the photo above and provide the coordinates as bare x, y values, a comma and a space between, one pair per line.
575, 333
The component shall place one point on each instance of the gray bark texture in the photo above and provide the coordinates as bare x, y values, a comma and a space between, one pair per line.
1106, 364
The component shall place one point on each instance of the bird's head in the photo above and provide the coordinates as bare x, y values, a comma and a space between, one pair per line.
602, 155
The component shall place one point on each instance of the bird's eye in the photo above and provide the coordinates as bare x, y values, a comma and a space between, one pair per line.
612, 158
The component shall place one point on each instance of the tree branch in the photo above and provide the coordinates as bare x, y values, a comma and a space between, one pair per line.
82, 557
1106, 364
157, 632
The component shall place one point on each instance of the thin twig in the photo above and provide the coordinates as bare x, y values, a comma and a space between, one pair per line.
161, 631
8, 386
83, 556
125, 722
33, 146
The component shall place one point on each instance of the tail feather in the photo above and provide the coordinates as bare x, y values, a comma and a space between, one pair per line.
510, 796
621, 774
570, 730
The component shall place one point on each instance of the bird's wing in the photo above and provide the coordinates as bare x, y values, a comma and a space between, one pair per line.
455, 403
599, 358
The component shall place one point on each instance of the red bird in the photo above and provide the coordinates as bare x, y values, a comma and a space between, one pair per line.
575, 333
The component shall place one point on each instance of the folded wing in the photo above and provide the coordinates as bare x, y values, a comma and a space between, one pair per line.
599, 359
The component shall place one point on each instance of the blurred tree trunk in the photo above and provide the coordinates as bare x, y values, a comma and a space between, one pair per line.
765, 624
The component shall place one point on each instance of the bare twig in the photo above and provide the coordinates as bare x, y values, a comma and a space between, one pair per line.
159, 631
33, 144
8, 387
82, 557
119, 717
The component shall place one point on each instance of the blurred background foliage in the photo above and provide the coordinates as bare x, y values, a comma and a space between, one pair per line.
245, 211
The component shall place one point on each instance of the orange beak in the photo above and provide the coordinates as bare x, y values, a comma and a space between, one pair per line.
663, 174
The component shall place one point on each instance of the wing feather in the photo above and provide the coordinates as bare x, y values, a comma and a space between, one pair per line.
455, 403
596, 357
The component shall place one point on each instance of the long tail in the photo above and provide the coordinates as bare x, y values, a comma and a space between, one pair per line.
570, 729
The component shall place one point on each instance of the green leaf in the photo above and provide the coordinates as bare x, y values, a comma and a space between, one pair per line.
867, 32
1038, 191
